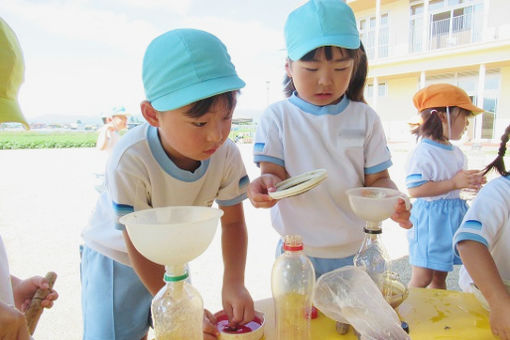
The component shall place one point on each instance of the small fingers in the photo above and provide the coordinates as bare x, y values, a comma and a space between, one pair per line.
249, 315
237, 317
210, 331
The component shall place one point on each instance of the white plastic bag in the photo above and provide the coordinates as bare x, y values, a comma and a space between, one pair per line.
350, 296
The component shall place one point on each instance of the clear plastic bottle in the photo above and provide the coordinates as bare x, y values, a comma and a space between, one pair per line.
177, 309
292, 282
373, 257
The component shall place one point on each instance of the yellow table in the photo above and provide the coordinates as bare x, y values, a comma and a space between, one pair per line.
430, 314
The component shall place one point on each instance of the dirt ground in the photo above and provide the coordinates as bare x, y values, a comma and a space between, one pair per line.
46, 197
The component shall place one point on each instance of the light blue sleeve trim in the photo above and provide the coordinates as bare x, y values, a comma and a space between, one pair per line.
466, 236
263, 158
472, 224
258, 147
413, 177
121, 210
234, 201
244, 181
415, 184
378, 168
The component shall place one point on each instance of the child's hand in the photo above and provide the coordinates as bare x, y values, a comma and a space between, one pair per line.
401, 215
259, 188
12, 323
209, 325
500, 318
237, 304
470, 179
24, 290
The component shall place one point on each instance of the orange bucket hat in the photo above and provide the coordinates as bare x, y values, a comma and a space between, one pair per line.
444, 95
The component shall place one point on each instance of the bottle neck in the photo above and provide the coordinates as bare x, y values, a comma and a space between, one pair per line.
373, 226
175, 273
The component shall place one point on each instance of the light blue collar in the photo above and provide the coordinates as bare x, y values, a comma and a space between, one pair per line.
167, 164
319, 110
439, 145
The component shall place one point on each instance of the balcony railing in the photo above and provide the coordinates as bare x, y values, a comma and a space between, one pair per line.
454, 31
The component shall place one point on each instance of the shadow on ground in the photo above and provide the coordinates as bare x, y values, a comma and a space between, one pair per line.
403, 268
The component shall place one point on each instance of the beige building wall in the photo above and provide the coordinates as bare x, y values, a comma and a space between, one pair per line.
402, 71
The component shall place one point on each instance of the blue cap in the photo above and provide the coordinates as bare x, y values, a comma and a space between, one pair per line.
320, 23
183, 66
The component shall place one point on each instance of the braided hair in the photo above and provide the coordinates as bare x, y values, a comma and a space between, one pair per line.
499, 163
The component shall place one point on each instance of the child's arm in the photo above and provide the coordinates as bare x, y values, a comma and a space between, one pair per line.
104, 137
237, 302
12, 323
271, 174
482, 269
382, 179
150, 273
471, 179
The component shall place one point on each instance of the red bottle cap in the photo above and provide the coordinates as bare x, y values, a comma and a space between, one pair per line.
292, 243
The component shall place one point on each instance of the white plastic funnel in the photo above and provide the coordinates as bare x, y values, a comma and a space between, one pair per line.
172, 235
375, 204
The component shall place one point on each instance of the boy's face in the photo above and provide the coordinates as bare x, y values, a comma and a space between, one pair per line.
321, 81
187, 140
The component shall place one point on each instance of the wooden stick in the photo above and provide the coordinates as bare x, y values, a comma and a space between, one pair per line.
35, 309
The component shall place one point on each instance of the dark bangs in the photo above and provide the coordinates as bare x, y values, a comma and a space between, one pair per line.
203, 106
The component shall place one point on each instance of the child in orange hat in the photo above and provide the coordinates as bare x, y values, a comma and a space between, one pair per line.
435, 174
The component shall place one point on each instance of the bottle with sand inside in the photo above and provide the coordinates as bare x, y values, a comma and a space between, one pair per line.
177, 309
292, 282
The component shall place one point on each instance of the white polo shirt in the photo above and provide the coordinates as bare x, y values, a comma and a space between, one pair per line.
433, 161
140, 175
5, 277
346, 139
488, 222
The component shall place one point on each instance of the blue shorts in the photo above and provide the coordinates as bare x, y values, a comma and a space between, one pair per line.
115, 303
430, 238
322, 265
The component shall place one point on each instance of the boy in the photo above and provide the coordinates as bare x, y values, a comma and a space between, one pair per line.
181, 157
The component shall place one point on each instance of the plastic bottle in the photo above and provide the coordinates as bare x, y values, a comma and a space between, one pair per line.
177, 309
292, 282
373, 257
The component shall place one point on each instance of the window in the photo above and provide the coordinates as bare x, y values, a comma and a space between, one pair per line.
367, 29
454, 23
416, 28
382, 90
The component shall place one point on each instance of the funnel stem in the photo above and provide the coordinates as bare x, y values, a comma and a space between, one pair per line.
373, 225
176, 270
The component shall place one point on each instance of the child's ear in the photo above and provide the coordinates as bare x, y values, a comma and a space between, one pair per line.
288, 68
442, 116
149, 113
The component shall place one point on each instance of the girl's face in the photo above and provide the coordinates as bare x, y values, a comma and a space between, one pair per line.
459, 123
321, 81
187, 140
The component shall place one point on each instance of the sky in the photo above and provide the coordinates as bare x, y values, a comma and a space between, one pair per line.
84, 57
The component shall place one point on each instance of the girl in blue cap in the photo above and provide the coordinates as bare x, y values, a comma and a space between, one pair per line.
325, 123
482, 243
182, 156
